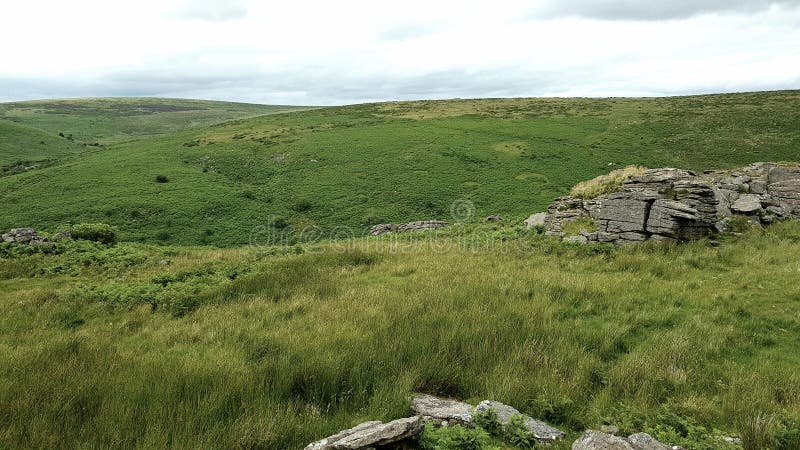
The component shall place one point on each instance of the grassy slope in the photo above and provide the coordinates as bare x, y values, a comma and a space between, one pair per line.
23, 144
111, 120
354, 165
287, 349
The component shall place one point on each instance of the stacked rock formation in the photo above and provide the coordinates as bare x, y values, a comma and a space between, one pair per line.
679, 205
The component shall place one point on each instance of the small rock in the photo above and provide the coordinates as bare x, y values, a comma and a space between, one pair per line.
732, 440
746, 204
442, 411
541, 431
576, 239
494, 218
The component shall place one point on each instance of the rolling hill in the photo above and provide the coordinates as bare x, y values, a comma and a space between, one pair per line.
112, 120
357, 165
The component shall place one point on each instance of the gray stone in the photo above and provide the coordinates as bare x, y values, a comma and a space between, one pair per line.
384, 228
542, 432
746, 204
643, 441
535, 220
494, 218
580, 239
441, 410
328, 442
371, 434
596, 440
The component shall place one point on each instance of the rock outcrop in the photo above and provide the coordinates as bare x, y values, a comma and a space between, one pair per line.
678, 205
542, 432
384, 228
371, 434
23, 236
597, 440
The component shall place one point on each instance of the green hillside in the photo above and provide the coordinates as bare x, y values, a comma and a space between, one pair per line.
356, 165
25, 148
110, 120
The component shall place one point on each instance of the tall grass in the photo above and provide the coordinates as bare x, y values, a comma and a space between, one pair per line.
674, 340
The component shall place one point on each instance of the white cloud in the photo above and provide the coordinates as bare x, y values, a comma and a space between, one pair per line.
308, 52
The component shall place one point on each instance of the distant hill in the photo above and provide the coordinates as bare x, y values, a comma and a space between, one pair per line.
357, 165
111, 120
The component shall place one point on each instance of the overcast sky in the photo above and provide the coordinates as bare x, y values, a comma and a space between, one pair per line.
348, 51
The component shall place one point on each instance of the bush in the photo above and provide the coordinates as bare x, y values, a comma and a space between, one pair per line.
161, 179
97, 232
453, 438
302, 206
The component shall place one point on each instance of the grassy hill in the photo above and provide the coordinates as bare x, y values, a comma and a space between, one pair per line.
138, 346
111, 120
24, 148
357, 165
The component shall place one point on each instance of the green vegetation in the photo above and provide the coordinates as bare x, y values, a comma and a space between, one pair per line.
23, 148
146, 346
603, 184
393, 162
112, 120
98, 232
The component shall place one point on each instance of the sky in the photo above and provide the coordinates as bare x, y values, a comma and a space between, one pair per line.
304, 52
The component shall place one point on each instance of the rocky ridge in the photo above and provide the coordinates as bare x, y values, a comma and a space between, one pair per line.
677, 205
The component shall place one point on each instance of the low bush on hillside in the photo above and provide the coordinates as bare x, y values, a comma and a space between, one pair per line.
607, 183
97, 232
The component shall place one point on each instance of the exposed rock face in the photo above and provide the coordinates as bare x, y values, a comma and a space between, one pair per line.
442, 411
679, 205
542, 432
384, 228
370, 434
23, 236
596, 440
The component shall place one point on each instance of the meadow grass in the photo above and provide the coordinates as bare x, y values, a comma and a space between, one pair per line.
278, 349
358, 165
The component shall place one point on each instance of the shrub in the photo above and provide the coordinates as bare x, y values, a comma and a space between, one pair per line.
161, 179
302, 206
516, 432
97, 232
488, 421
605, 183
453, 437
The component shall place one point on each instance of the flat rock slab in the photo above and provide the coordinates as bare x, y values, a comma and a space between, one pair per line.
440, 410
369, 434
541, 431
597, 440
746, 204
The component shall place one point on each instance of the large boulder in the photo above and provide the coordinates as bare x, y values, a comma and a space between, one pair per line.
541, 431
371, 434
442, 411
